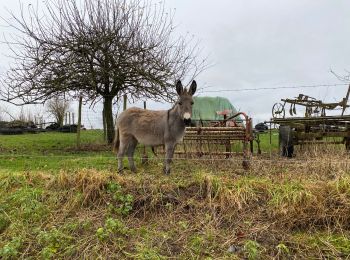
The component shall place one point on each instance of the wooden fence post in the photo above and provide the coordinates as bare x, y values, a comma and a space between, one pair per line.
144, 158
125, 100
79, 121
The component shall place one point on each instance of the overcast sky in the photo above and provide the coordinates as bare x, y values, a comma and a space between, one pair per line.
259, 44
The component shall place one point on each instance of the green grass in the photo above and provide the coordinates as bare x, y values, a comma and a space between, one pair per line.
56, 162
52, 151
327, 244
268, 143
47, 143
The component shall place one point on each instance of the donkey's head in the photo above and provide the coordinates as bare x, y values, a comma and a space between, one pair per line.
185, 101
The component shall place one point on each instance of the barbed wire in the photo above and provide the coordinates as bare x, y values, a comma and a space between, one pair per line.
274, 88
203, 90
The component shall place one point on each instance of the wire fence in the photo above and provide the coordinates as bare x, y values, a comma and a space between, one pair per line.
274, 88
92, 119
92, 116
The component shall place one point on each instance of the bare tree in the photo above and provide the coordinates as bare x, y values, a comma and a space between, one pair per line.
8, 115
24, 116
100, 49
58, 107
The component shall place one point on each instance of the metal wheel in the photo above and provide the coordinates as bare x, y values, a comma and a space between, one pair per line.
278, 110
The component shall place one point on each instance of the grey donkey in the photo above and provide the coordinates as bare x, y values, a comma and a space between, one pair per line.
154, 128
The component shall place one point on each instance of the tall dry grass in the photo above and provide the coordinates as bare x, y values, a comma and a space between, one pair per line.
280, 209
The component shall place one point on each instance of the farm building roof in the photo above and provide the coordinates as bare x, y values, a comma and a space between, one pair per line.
205, 108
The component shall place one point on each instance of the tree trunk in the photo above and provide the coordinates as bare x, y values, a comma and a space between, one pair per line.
104, 125
60, 119
107, 106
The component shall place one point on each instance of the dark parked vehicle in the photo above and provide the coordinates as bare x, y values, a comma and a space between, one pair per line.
53, 127
17, 127
261, 127
70, 128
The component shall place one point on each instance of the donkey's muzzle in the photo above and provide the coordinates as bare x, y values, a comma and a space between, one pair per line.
187, 119
187, 122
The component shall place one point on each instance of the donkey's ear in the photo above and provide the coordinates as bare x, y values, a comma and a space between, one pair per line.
179, 88
193, 88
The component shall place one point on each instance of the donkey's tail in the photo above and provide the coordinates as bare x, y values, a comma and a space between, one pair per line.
154, 151
116, 141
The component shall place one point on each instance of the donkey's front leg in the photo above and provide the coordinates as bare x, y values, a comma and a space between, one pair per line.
168, 157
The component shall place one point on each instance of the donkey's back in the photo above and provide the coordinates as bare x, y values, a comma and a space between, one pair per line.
146, 126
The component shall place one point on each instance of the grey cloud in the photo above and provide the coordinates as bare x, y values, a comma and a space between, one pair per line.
264, 43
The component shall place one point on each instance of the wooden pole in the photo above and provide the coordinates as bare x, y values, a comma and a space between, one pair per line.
144, 158
345, 102
125, 100
79, 121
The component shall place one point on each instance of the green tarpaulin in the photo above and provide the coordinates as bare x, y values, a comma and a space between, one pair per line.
205, 108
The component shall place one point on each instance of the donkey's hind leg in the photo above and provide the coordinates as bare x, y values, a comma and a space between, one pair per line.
121, 153
130, 153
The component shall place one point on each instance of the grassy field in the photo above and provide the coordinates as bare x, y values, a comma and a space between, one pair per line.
59, 202
54, 151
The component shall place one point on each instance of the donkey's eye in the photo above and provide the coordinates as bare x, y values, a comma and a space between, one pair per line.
192, 103
180, 103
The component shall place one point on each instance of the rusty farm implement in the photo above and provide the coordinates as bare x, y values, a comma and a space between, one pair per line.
221, 139
314, 127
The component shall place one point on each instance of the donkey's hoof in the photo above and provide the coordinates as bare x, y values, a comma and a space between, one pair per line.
166, 171
246, 164
133, 169
120, 170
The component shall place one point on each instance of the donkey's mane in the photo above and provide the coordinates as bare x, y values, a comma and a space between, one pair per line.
168, 113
